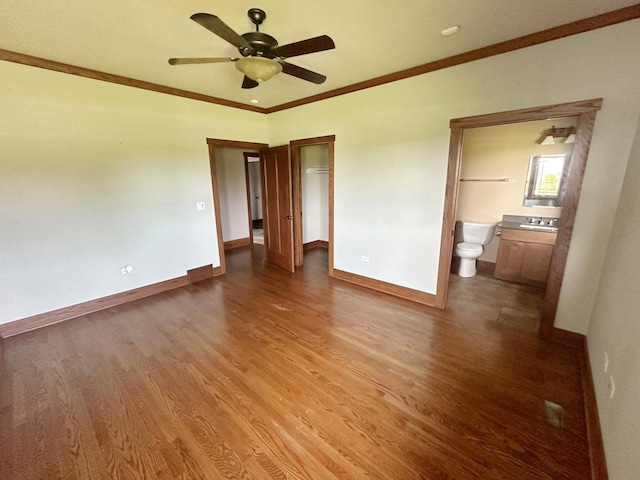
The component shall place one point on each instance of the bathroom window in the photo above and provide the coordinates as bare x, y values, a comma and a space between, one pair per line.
544, 181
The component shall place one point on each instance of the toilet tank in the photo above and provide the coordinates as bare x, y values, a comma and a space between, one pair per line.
481, 233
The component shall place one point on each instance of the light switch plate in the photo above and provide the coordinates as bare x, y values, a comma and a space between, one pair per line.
200, 206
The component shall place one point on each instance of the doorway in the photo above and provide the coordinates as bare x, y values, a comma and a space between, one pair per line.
313, 163
295, 180
254, 196
214, 145
585, 111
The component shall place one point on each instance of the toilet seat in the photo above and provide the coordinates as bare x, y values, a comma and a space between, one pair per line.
470, 248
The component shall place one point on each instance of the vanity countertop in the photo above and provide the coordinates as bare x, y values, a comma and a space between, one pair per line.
521, 222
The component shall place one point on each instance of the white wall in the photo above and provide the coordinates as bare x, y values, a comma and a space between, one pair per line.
255, 187
315, 194
232, 184
94, 176
392, 209
615, 329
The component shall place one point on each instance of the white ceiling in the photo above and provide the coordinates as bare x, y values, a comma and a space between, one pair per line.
373, 37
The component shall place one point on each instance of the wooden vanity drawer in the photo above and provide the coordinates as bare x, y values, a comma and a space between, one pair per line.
529, 236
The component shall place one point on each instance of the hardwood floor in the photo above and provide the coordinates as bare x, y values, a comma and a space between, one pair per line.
267, 375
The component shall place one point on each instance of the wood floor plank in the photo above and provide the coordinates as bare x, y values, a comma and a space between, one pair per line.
260, 374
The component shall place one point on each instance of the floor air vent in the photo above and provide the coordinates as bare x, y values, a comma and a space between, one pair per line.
553, 414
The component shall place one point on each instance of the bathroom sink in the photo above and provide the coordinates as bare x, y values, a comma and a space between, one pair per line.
544, 228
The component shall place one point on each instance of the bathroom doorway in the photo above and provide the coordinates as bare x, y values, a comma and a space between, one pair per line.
495, 174
585, 112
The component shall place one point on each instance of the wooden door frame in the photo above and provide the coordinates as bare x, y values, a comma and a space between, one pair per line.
247, 156
586, 112
296, 156
214, 143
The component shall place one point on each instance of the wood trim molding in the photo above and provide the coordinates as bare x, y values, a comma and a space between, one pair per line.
67, 313
201, 273
566, 30
214, 143
449, 216
315, 244
305, 142
247, 156
296, 173
216, 205
296, 192
573, 187
222, 143
557, 110
581, 26
565, 337
37, 62
331, 205
594, 433
217, 271
384, 287
237, 243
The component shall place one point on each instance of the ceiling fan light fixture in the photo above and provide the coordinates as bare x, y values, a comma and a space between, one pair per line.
259, 69
555, 135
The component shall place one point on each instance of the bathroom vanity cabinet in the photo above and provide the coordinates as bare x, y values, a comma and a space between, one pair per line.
524, 256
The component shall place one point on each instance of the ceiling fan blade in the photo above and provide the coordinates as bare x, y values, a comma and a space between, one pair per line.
249, 83
302, 73
217, 26
311, 45
185, 61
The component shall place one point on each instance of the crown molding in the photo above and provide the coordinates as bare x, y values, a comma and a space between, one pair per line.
573, 28
38, 62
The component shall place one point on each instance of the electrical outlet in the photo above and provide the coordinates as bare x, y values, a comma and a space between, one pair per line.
612, 387
126, 270
200, 206
606, 362
364, 258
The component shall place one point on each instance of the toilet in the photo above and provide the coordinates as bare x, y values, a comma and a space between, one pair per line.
474, 236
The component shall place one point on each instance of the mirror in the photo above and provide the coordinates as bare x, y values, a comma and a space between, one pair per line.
544, 181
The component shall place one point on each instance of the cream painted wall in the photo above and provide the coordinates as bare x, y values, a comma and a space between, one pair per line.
315, 194
392, 143
615, 329
503, 151
498, 152
95, 176
232, 184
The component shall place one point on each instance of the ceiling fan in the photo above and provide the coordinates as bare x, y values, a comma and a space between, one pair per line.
262, 57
